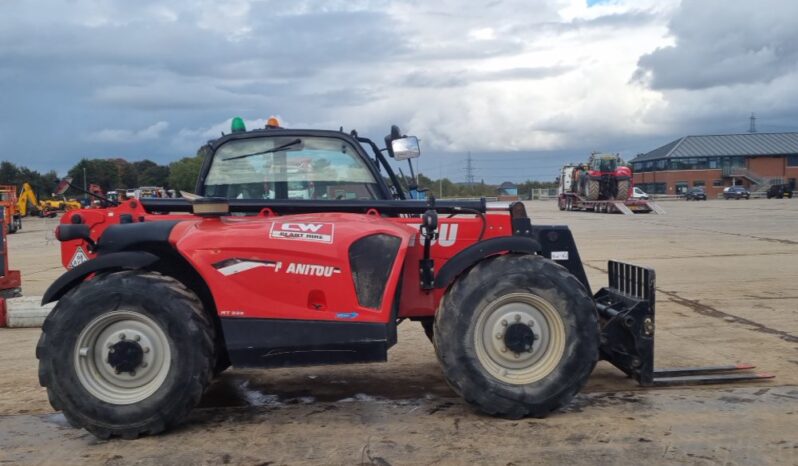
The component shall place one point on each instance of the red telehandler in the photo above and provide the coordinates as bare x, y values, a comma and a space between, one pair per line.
161, 295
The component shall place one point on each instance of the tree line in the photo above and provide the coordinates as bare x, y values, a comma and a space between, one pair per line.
109, 174
181, 175
447, 188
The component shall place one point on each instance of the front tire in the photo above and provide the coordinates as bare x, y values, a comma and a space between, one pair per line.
126, 354
517, 336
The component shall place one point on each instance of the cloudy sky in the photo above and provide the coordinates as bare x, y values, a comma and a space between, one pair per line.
523, 85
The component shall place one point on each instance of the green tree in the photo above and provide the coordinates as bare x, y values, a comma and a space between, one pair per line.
183, 173
154, 176
42, 185
128, 177
103, 172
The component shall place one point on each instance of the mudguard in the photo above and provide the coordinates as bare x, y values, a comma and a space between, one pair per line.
469, 256
129, 260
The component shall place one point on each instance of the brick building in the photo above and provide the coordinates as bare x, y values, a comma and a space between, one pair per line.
753, 160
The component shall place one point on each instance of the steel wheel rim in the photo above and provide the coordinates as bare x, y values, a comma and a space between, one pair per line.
525, 367
94, 347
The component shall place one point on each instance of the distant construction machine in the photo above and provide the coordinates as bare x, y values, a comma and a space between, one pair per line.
8, 201
603, 184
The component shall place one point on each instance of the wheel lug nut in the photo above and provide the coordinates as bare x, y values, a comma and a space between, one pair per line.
144, 364
137, 337
516, 355
132, 373
146, 349
517, 317
109, 345
498, 336
122, 336
83, 352
531, 323
504, 323
504, 350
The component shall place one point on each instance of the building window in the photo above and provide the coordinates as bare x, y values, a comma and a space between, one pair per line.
637, 167
681, 187
652, 188
697, 183
662, 164
792, 160
713, 162
717, 183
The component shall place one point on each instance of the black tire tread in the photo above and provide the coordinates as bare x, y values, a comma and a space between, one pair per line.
593, 190
193, 391
486, 401
623, 190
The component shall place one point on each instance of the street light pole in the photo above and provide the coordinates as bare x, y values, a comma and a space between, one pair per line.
85, 196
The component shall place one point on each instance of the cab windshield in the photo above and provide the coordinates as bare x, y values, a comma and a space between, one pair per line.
289, 167
605, 164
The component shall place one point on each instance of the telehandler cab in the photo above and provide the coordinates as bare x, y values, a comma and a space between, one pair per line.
296, 251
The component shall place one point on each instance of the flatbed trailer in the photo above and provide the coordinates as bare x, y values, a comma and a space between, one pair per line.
573, 201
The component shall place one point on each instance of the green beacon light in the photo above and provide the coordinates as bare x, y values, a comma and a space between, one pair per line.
237, 126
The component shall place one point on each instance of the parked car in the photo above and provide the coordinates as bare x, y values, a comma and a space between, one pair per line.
779, 191
736, 192
638, 193
695, 194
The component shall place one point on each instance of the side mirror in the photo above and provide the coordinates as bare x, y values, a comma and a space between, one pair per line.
63, 185
405, 148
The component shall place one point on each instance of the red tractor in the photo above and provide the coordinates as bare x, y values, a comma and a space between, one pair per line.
162, 295
605, 177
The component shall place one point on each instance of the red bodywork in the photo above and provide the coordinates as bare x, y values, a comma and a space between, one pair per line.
299, 265
620, 172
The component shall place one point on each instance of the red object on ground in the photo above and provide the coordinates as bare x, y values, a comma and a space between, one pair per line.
10, 280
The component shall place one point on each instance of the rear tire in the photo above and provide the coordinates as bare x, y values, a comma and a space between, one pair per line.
517, 336
623, 190
593, 190
126, 354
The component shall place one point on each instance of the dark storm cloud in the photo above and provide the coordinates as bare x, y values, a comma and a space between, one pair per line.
720, 42
98, 74
103, 78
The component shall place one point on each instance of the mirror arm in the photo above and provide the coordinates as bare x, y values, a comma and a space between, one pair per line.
412, 175
381, 159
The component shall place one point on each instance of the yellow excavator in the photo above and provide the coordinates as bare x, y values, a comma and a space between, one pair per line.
28, 203
60, 204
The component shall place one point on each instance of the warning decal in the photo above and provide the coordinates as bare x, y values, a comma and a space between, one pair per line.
78, 258
317, 232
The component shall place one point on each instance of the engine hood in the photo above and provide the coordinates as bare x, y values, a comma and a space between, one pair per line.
325, 266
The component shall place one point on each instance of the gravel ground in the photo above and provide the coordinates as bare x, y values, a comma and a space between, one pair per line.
726, 282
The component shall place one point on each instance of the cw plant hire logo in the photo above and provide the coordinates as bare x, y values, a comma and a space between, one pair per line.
316, 232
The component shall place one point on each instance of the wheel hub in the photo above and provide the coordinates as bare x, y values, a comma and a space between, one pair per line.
122, 357
519, 338
125, 356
